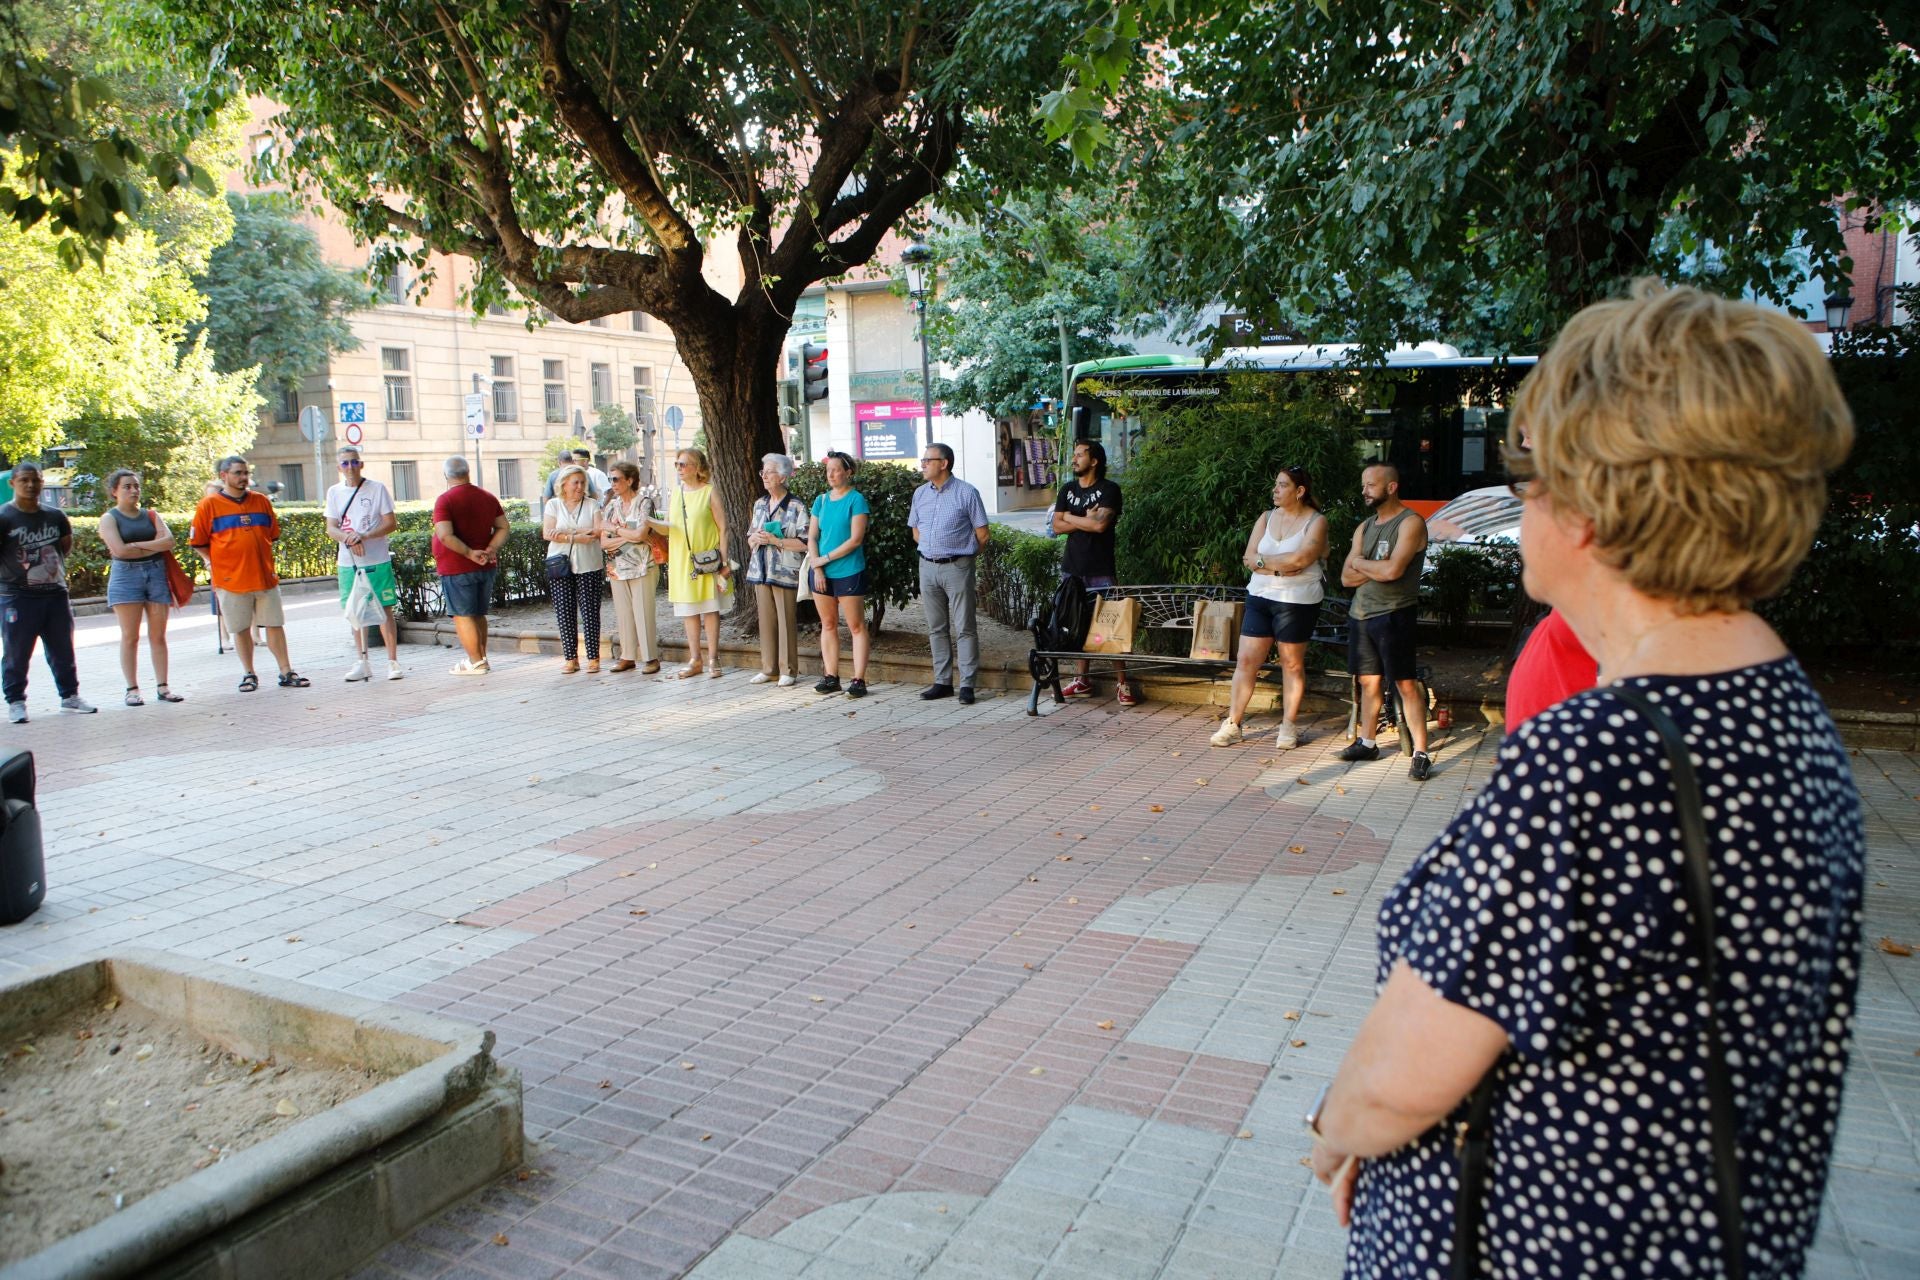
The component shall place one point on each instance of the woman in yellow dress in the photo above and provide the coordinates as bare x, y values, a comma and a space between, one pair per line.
696, 524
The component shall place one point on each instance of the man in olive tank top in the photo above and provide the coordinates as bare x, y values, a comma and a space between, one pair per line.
1389, 548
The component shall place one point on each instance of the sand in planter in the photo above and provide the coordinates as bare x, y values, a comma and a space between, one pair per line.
104, 1106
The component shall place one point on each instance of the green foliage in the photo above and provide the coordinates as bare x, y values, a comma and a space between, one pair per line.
1205, 471
893, 559
1464, 582
1012, 281
1019, 571
272, 300
556, 454
1408, 170
72, 169
1847, 592
614, 431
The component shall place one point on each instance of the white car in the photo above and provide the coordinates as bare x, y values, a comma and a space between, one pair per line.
1478, 517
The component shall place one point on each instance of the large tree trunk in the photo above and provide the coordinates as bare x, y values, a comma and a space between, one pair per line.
735, 365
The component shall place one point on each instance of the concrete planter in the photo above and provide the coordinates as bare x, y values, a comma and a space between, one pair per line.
329, 1192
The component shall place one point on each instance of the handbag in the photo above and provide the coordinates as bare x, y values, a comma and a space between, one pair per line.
560, 563
1476, 1135
179, 585
699, 561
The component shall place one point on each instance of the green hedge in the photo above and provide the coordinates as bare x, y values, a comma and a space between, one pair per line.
1019, 571
522, 574
303, 551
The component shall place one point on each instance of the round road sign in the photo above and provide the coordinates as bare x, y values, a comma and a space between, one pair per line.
353, 433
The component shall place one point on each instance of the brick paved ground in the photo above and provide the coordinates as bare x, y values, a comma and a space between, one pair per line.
805, 987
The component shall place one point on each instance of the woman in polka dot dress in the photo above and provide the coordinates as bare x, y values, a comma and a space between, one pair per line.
1680, 447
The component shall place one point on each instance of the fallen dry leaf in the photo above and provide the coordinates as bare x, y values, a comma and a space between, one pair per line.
293, 937
1298, 1044
523, 1175
1339, 790
1037, 1071
626, 874
604, 1084
1093, 808
1266, 760
636, 913
1156, 808
1244, 1133
653, 866
1105, 1025
817, 999
1026, 966
939, 1208
285, 1107
1893, 948
1064, 857
913, 926
1073, 902
141, 1054
686, 1066
1176, 755
706, 1137
1199, 782
1303, 780
500, 1238
1291, 1015
1296, 848
1338, 892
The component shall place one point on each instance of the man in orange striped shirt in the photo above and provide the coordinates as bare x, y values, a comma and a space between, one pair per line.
235, 529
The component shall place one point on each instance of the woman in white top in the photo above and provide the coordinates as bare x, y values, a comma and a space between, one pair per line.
571, 524
631, 573
1286, 554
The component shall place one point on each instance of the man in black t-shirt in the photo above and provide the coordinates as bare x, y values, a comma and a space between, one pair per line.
1086, 511
34, 544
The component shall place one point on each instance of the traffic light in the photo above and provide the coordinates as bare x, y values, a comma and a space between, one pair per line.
813, 372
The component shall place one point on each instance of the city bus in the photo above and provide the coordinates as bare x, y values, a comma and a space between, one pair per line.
1433, 413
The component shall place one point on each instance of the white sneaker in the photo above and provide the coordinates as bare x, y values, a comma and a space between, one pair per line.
76, 705
358, 671
1287, 738
1227, 734
17, 712
394, 672
467, 668
761, 677
787, 682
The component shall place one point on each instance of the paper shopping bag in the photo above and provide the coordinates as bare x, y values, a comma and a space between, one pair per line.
1114, 622
1216, 627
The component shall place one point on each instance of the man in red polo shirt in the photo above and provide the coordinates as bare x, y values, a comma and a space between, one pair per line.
469, 527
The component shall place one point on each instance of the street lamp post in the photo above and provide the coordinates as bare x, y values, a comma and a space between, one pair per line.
918, 260
1838, 305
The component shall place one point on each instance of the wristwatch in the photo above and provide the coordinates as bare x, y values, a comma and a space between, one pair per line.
1259, 562
1312, 1119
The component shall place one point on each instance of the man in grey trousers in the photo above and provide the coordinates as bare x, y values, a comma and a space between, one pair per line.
949, 524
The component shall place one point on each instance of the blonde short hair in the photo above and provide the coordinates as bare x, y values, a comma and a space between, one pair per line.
1695, 432
700, 463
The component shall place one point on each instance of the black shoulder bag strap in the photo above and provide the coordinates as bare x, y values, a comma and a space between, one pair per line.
1475, 1139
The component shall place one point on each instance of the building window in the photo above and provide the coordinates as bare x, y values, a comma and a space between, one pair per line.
506, 396
598, 322
642, 396
509, 478
601, 377
641, 321
406, 482
393, 285
286, 405
397, 365
293, 482
555, 374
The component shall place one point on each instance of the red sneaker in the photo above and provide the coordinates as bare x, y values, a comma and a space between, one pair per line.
1125, 692
1078, 687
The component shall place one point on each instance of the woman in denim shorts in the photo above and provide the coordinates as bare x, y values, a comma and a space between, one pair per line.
1286, 558
139, 542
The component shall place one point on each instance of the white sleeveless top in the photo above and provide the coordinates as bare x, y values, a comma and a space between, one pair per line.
1304, 587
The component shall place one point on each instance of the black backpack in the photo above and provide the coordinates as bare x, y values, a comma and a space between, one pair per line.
1070, 617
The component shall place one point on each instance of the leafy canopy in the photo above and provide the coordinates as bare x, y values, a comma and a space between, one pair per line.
1399, 169
1012, 281
272, 300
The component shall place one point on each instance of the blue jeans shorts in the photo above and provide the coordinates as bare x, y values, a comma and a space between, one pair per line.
469, 595
138, 582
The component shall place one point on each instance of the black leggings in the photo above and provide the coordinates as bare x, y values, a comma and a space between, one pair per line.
576, 607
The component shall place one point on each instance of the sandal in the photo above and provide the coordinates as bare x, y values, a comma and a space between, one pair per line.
167, 695
133, 696
569, 667
249, 682
716, 671
689, 671
293, 680
593, 666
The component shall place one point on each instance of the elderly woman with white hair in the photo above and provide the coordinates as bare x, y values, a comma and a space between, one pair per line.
575, 565
1616, 994
776, 557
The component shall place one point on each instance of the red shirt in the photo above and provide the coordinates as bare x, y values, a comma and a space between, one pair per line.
1552, 667
471, 511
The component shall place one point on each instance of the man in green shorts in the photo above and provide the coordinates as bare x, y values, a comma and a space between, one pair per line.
359, 517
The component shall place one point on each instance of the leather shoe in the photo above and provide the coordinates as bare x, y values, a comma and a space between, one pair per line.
624, 665
933, 691
966, 696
